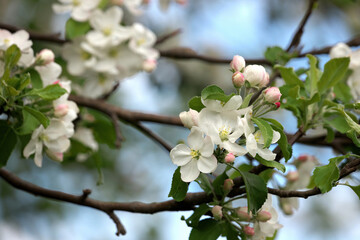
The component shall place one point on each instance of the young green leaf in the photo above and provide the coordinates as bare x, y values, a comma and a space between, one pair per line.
8, 141
218, 184
178, 187
208, 229
272, 164
194, 219
356, 189
38, 115
30, 123
289, 76
50, 92
74, 29
196, 104
11, 57
266, 130
256, 190
210, 90
334, 71
313, 74
246, 100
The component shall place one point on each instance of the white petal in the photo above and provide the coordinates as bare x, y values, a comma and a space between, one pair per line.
58, 8
190, 171
233, 104
207, 164
180, 155
30, 148
266, 154
234, 148
195, 138
38, 154
276, 137
80, 14
207, 148
59, 145
251, 145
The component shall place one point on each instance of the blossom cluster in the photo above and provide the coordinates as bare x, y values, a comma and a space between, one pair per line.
109, 51
227, 126
342, 50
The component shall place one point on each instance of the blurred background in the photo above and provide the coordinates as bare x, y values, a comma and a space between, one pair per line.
142, 170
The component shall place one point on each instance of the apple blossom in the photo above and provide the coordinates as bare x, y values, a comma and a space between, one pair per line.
249, 231
255, 145
238, 79
243, 214
80, 9
263, 216
237, 63
256, 75
340, 50
49, 73
149, 65
229, 158
196, 158
217, 212
272, 94
45, 56
292, 176
142, 41
228, 185
189, 118
86, 137
215, 105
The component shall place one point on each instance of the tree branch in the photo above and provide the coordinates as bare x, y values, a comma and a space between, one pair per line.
166, 37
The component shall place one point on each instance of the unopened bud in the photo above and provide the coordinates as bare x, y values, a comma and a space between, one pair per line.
292, 176
189, 118
61, 110
243, 214
249, 231
237, 63
272, 95
340, 50
230, 158
255, 75
278, 104
238, 79
265, 81
303, 158
149, 65
181, 2
56, 156
263, 216
287, 209
46, 56
217, 212
228, 185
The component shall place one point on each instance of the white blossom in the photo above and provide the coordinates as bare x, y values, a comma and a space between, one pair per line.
80, 9
142, 41
195, 158
49, 73
189, 118
215, 105
86, 137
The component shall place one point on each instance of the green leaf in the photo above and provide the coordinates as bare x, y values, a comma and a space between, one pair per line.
285, 147
353, 136
246, 100
274, 122
208, 229
356, 189
30, 123
272, 164
278, 55
36, 81
334, 71
8, 141
178, 187
50, 92
342, 92
336, 121
313, 74
75, 29
218, 184
38, 115
325, 176
11, 57
194, 219
355, 106
289, 76
330, 135
210, 90
196, 104
266, 130
229, 231
220, 96
267, 174
256, 190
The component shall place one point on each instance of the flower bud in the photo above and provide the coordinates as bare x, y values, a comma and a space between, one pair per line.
238, 79
243, 214
181, 2
265, 81
230, 158
217, 212
255, 75
149, 65
292, 176
272, 94
249, 231
45, 56
340, 50
56, 156
263, 216
228, 185
189, 118
287, 209
303, 158
278, 104
237, 63
61, 110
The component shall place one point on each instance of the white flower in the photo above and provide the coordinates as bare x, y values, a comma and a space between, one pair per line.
95, 85
255, 145
223, 128
142, 41
189, 118
268, 228
256, 75
217, 106
196, 158
80, 9
86, 137
354, 84
45, 56
52, 137
107, 30
340, 50
49, 73
133, 6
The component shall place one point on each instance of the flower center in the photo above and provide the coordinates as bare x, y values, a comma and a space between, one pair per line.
195, 154
76, 2
224, 133
257, 136
106, 31
140, 41
85, 55
44, 137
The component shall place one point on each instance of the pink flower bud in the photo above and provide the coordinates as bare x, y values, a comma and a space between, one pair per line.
272, 94
243, 214
303, 158
149, 65
255, 75
46, 56
61, 110
263, 216
238, 79
228, 185
230, 158
217, 212
237, 63
181, 2
249, 231
265, 81
189, 118
56, 156
278, 104
292, 176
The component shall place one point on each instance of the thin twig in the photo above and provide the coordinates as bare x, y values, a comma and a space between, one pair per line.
119, 137
166, 37
300, 30
120, 228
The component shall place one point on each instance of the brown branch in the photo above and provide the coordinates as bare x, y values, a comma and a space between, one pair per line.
166, 37
300, 30
119, 137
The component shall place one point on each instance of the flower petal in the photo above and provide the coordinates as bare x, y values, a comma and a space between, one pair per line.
234, 148
180, 155
207, 148
251, 145
190, 171
266, 154
195, 138
276, 137
233, 104
207, 164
